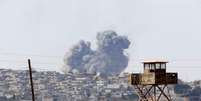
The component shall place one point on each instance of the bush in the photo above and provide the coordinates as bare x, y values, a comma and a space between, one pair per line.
182, 89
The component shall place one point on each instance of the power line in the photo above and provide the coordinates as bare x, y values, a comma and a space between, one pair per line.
49, 63
17, 61
20, 54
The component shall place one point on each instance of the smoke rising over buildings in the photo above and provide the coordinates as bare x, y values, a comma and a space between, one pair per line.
108, 58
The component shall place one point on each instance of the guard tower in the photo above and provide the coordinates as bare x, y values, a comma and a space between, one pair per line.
151, 85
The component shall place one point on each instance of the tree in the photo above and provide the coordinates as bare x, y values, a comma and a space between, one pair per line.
196, 91
182, 89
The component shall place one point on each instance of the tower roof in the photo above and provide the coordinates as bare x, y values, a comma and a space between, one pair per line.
155, 61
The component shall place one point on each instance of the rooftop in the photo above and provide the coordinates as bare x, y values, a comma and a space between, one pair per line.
155, 61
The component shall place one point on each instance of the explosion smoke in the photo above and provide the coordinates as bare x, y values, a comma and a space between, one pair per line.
109, 58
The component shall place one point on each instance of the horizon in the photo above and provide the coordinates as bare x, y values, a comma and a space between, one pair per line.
45, 30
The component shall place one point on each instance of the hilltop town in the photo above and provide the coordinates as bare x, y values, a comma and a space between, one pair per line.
54, 86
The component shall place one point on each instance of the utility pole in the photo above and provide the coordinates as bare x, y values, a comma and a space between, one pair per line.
31, 80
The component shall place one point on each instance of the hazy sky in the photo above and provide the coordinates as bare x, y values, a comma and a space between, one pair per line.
44, 30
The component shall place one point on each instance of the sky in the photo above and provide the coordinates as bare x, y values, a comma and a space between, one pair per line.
44, 30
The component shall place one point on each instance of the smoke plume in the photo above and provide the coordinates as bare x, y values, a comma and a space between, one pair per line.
108, 58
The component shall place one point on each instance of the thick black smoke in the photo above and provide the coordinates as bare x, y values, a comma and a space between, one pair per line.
108, 58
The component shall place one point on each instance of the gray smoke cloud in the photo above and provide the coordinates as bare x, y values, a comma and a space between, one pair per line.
108, 58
